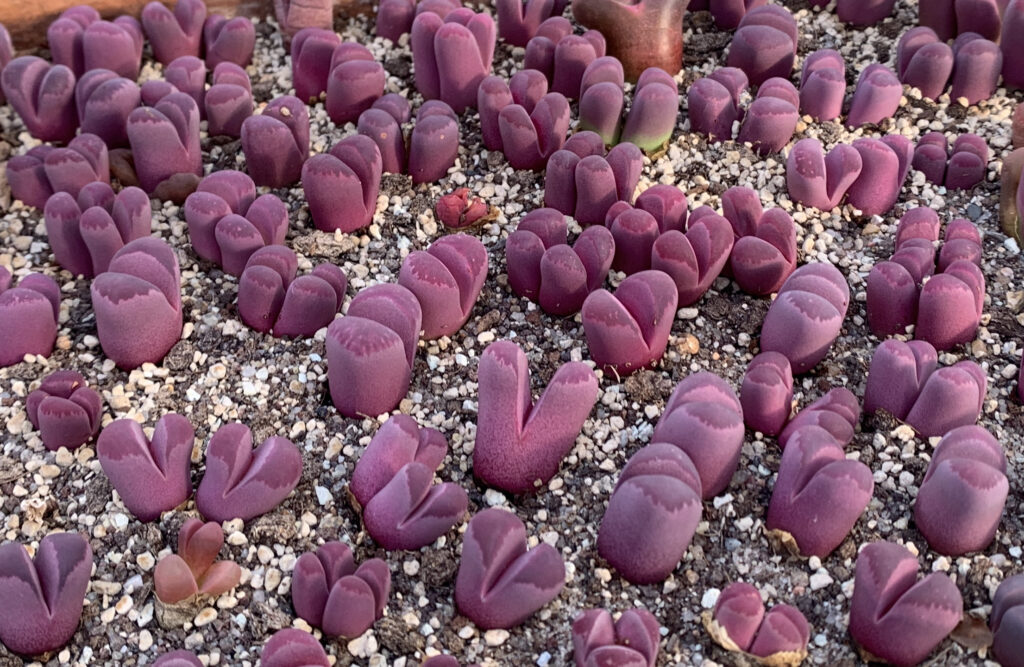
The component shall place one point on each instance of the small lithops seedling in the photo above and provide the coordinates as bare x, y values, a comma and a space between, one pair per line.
501, 582
823, 85
767, 393
764, 44
329, 592
180, 658
150, 475
290, 647
65, 410
446, 278
354, 82
519, 21
522, 119
644, 34
1007, 622
895, 617
311, 53
459, 210
43, 596
104, 101
652, 115
276, 142
174, 34
739, 623
560, 55
43, 95
582, 181
652, 514
520, 444
242, 482
342, 186
631, 641
35, 176
28, 316
451, 56
165, 144
837, 412
228, 40
294, 15
195, 570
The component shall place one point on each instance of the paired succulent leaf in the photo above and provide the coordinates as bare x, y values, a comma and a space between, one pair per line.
329, 592
28, 317
65, 410
276, 142
739, 623
35, 176
446, 278
195, 570
631, 641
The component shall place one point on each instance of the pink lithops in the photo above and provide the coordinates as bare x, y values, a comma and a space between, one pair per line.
959, 167
771, 120
875, 97
635, 232
165, 142
174, 34
370, 351
294, 15
519, 21
43, 95
29, 317
242, 482
446, 278
150, 475
82, 42
561, 56
355, 81
290, 646
767, 393
44, 170
329, 592
978, 66
924, 62
43, 595
228, 40
818, 180
341, 186
950, 306
457, 210
543, 268
272, 300
819, 493
704, 418
312, 50
631, 641
228, 102
276, 142
739, 623
85, 234
65, 410
881, 178
104, 100
628, 330
764, 253
395, 17
433, 143
961, 499
806, 317
195, 570
521, 443
398, 442
895, 617
1013, 55
530, 125
949, 18
838, 412
585, 186
181, 658
452, 55
764, 45
188, 75
823, 85
501, 582
694, 259
864, 12
652, 115
652, 514
1007, 621
64, 36
714, 108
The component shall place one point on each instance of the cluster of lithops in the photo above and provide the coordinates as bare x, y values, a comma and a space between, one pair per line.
959, 167
451, 56
35, 176
276, 142
764, 45
739, 623
652, 113
631, 640
643, 34
521, 119
65, 410
28, 316
768, 124
583, 181
194, 570
433, 144
1007, 621
971, 67
562, 56
341, 186
329, 592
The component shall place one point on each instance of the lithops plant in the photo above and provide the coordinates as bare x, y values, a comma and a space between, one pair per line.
65, 410
329, 592
739, 623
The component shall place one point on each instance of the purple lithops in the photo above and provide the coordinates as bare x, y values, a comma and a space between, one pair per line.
398, 442
895, 617
1007, 621
727, 14
694, 259
959, 167
290, 647
542, 267
631, 641
520, 444
585, 185
767, 393
329, 592
820, 180
823, 85
28, 316
837, 412
312, 50
904, 380
6, 54
43, 595
452, 55
704, 418
370, 351
446, 278
294, 15
276, 142
395, 17
228, 40
771, 120
652, 514
519, 21
924, 62
764, 45
65, 410
628, 330
43, 95
433, 143
44, 170
150, 475
875, 97
165, 142
652, 115
228, 102
194, 570
739, 623
864, 12
521, 119
181, 658
764, 253
978, 66
188, 75
82, 42
104, 100
713, 102
819, 493
138, 303
272, 300
341, 186
501, 582
961, 499
354, 82
561, 56
1013, 54
806, 317
174, 34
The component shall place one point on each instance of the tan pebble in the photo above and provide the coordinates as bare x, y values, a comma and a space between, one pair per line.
124, 604
272, 579
108, 615
496, 637
63, 343
205, 616
145, 561
49, 471
237, 539
145, 641
64, 457
689, 344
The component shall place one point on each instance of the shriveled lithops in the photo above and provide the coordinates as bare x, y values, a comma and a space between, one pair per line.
820, 180
242, 482
631, 640
28, 316
560, 55
838, 412
806, 317
370, 351
959, 167
276, 142
764, 44
895, 617
354, 82
644, 34
823, 85
501, 582
150, 475
446, 278
452, 55
329, 592
875, 97
43, 95
520, 444
104, 100
961, 499
43, 595
228, 40
174, 34
522, 119
311, 52
459, 209
65, 410
44, 170
195, 570
1007, 621
767, 393
294, 15
652, 514
228, 102
628, 330
271, 298
165, 144
652, 114
739, 623
341, 186
290, 647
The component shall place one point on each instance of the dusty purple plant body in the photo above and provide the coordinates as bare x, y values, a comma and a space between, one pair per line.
65, 410
29, 316
329, 592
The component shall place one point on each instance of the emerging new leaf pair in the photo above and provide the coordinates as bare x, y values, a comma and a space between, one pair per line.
739, 623
195, 570
65, 410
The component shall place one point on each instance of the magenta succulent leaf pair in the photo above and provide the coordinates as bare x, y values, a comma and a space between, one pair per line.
65, 410
446, 279
451, 56
739, 623
393, 483
521, 119
501, 582
823, 85
290, 647
959, 167
104, 101
769, 123
652, 115
519, 21
228, 102
195, 570
950, 18
973, 63
764, 253
43, 96
520, 444
1007, 621
542, 266
395, 17
44, 170
876, 96
727, 14
767, 393
43, 595
354, 81
433, 143
165, 142
905, 381
174, 34
764, 44
276, 142
631, 641
838, 412
560, 55
693, 260
341, 186
582, 181
28, 316
182, 658
312, 50
271, 299
83, 46
459, 209
294, 15
329, 592
228, 40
